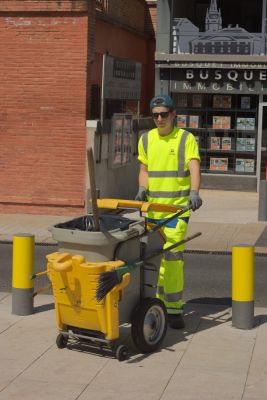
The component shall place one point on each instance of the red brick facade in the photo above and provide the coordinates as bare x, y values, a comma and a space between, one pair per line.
47, 49
151, 17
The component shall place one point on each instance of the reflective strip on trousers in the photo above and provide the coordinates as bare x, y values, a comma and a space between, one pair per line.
169, 297
174, 311
174, 256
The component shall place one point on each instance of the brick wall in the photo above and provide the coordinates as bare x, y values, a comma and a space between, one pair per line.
151, 17
43, 5
43, 52
50, 51
127, 12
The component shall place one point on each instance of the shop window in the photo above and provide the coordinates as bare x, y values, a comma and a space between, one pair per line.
225, 128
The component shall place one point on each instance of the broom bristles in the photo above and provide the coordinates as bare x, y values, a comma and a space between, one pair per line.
106, 282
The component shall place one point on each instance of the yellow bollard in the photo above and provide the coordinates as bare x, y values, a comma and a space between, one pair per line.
22, 270
243, 286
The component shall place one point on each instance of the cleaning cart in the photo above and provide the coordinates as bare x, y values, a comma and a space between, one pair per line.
84, 254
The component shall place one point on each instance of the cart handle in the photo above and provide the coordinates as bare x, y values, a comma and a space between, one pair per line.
143, 206
61, 266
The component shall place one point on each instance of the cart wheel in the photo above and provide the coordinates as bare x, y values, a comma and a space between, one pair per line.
149, 325
122, 353
61, 341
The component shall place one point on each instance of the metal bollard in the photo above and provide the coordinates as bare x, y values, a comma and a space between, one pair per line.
262, 212
23, 265
243, 286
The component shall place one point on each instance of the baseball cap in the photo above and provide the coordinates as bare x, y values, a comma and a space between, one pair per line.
162, 101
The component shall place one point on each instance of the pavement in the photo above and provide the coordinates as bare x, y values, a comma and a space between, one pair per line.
226, 219
208, 360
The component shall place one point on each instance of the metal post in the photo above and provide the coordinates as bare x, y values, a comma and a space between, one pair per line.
262, 211
263, 27
23, 265
243, 287
102, 110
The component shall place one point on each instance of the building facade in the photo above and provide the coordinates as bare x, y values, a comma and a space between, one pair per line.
51, 76
211, 56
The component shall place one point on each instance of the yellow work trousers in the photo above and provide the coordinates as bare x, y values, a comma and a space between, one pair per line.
171, 273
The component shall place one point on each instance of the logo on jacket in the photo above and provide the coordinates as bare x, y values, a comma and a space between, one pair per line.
172, 152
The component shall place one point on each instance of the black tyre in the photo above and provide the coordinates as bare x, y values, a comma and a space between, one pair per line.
61, 341
149, 325
122, 353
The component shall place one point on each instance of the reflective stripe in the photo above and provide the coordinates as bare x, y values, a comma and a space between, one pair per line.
181, 156
181, 173
169, 195
174, 311
174, 256
145, 141
167, 174
169, 297
172, 297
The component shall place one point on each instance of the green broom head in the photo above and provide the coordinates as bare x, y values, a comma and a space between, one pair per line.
109, 279
106, 282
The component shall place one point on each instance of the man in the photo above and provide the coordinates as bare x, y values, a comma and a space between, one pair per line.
169, 174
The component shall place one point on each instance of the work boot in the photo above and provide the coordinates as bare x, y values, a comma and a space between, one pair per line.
176, 321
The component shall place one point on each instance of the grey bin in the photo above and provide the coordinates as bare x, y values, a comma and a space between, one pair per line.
78, 237
118, 239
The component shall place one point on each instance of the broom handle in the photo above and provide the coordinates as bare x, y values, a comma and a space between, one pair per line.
162, 251
138, 263
91, 170
159, 226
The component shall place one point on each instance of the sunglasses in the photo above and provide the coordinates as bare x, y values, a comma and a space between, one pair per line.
162, 114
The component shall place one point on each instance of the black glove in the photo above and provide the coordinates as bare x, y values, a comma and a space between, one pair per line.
195, 200
141, 195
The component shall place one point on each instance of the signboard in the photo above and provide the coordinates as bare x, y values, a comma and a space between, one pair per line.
122, 79
173, 63
121, 140
231, 81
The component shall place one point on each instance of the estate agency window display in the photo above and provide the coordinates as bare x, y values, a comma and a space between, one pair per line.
225, 127
214, 64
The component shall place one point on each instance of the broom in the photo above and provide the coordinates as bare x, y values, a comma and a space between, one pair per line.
91, 171
109, 279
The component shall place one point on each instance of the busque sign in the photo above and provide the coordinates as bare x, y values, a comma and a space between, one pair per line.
218, 80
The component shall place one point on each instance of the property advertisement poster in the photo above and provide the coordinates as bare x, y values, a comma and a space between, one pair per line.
121, 140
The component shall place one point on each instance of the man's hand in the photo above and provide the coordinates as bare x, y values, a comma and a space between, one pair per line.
195, 200
141, 195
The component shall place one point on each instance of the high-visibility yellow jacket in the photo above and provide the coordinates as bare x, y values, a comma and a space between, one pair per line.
167, 158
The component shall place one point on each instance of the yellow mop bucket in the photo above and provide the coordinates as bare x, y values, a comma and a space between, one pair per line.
74, 283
